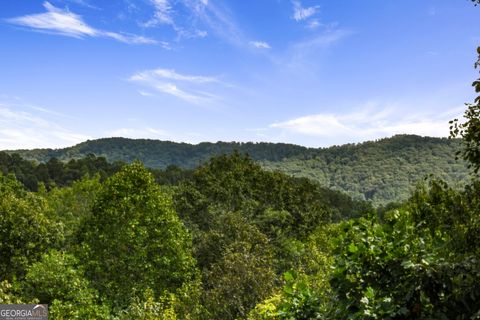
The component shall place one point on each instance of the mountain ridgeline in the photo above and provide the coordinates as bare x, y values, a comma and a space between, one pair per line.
158, 154
381, 171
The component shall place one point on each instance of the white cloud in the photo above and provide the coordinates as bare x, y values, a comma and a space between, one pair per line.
64, 22
260, 44
199, 19
323, 40
145, 93
370, 123
170, 82
24, 130
300, 13
314, 24
162, 15
132, 39
84, 3
165, 12
218, 19
170, 74
201, 33
304, 56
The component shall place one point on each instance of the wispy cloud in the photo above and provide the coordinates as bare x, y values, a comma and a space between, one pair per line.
145, 93
321, 40
63, 22
301, 13
190, 88
172, 75
218, 19
314, 24
260, 44
165, 13
199, 19
370, 123
20, 129
162, 15
303, 57
84, 3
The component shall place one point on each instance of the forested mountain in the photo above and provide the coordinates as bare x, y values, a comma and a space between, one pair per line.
160, 154
381, 171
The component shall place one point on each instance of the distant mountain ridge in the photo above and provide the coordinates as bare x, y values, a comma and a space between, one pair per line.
159, 154
381, 171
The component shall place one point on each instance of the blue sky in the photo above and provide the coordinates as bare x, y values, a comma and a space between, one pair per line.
309, 72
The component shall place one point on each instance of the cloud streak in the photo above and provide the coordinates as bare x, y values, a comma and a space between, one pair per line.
165, 13
84, 3
303, 57
370, 123
190, 18
260, 44
301, 13
218, 19
162, 14
190, 88
23, 130
63, 22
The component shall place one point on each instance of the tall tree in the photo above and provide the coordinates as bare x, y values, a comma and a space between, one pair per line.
26, 231
134, 240
470, 130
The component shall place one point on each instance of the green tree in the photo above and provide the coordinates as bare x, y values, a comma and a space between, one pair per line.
237, 183
469, 131
236, 283
58, 280
306, 292
238, 267
134, 239
149, 308
8, 296
421, 262
72, 206
26, 231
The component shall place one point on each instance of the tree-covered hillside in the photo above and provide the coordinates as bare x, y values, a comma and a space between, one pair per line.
127, 247
381, 171
160, 154
234, 241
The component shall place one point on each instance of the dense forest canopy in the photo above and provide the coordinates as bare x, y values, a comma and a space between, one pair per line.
230, 240
212, 245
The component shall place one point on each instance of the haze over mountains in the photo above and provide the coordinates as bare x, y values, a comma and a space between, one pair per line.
381, 171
